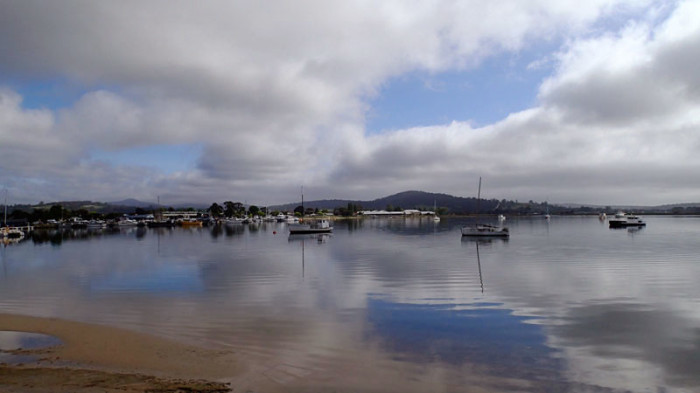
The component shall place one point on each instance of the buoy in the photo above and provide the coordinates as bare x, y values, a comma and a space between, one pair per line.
274, 232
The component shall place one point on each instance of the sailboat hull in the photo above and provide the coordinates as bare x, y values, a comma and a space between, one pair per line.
485, 231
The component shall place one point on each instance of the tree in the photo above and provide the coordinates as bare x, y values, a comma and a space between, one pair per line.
299, 209
55, 212
215, 210
229, 209
233, 209
253, 210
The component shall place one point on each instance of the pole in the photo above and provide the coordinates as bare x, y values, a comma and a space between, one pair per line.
5, 222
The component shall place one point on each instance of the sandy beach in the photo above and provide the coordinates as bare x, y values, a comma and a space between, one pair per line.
100, 358
97, 358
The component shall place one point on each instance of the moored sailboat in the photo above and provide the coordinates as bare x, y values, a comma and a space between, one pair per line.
483, 230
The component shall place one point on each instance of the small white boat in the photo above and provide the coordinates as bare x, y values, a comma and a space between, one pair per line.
436, 218
233, 221
96, 224
127, 222
315, 226
8, 233
501, 217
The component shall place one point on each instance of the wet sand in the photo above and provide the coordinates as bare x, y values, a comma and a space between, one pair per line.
97, 358
102, 358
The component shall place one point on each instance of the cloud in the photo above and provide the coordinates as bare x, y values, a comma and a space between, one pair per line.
616, 119
276, 94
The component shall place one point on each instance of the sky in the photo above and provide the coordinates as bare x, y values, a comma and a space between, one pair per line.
546, 100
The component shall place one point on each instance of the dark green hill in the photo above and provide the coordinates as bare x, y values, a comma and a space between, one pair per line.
407, 200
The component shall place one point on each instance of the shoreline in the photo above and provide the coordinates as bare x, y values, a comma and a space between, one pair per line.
99, 358
93, 356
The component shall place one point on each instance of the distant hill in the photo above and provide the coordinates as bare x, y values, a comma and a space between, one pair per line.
405, 200
132, 203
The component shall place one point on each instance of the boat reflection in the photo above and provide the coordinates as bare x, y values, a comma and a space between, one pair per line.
319, 237
484, 240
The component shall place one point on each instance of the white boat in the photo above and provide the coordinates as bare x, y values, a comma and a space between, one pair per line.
623, 220
501, 217
233, 221
96, 224
9, 234
484, 230
127, 222
436, 218
315, 226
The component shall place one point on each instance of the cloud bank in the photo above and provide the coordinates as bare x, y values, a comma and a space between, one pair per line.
276, 95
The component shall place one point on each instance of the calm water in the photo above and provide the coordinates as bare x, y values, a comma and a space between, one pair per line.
568, 305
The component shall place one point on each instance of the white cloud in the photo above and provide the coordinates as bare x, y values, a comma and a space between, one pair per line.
275, 93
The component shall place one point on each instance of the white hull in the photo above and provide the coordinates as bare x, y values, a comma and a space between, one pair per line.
623, 220
302, 229
322, 226
485, 231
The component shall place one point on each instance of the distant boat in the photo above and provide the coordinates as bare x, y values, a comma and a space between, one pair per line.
127, 222
436, 218
191, 223
483, 230
501, 217
9, 234
160, 224
313, 226
96, 224
623, 220
233, 221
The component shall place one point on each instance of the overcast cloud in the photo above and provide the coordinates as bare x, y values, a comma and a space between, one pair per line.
277, 93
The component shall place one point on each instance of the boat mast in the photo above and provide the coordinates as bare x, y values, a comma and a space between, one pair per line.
5, 222
478, 199
302, 202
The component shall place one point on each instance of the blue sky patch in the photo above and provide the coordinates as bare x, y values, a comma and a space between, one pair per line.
498, 87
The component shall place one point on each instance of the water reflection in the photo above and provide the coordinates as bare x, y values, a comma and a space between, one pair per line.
456, 334
16, 347
578, 306
659, 338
